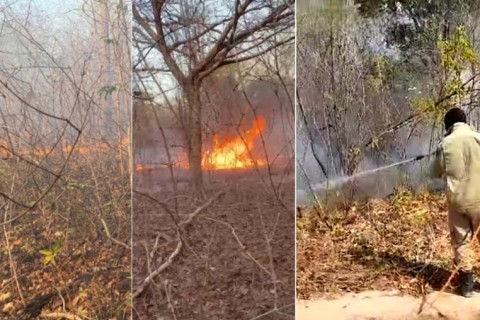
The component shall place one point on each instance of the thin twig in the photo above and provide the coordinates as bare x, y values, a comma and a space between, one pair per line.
107, 231
164, 266
168, 293
242, 246
146, 282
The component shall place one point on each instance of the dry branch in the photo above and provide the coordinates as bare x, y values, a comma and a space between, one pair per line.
146, 282
60, 315
242, 246
164, 265
107, 231
200, 209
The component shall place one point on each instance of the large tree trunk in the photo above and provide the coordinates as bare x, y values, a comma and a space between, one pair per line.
195, 135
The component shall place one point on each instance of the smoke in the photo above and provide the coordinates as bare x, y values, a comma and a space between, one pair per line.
312, 183
228, 111
273, 103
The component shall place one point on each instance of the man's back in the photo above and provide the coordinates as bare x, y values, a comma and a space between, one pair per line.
461, 156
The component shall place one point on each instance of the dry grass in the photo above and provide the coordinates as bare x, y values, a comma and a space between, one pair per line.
91, 278
397, 243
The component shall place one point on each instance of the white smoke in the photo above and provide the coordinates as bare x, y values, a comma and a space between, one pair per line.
371, 179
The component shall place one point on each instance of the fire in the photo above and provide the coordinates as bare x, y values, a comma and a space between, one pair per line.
235, 152
67, 148
144, 167
92, 148
227, 152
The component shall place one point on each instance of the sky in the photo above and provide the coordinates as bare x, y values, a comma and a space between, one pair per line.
168, 83
55, 8
58, 12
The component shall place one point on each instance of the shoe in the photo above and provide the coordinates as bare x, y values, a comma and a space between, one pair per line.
466, 283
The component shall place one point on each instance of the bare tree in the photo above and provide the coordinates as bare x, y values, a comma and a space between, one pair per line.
64, 121
189, 40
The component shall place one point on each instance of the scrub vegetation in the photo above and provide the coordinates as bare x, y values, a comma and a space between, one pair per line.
375, 79
64, 169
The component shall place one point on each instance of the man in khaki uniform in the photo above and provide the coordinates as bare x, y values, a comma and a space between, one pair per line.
457, 160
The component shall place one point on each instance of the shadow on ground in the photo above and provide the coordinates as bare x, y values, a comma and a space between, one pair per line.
429, 274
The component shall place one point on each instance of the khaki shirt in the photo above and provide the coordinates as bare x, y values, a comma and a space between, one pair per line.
457, 160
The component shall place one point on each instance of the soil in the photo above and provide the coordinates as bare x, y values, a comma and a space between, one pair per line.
390, 305
214, 276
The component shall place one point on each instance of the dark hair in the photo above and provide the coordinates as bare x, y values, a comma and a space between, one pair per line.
453, 116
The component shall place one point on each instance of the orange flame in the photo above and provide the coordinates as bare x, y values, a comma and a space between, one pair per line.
235, 152
67, 148
139, 167
143, 167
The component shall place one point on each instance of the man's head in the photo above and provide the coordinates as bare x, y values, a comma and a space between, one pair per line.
453, 116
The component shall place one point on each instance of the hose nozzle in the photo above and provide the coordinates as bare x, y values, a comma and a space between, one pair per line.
420, 157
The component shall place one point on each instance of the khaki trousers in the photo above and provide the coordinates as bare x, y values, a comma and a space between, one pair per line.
462, 224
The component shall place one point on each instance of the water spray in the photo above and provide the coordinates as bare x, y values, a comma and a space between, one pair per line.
329, 184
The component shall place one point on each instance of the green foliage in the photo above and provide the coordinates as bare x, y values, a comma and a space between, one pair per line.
382, 70
455, 87
51, 253
457, 52
426, 107
456, 55
402, 196
375, 84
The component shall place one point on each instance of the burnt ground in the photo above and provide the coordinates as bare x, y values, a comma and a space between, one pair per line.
213, 277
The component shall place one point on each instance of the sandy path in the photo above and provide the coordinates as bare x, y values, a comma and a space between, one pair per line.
389, 305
